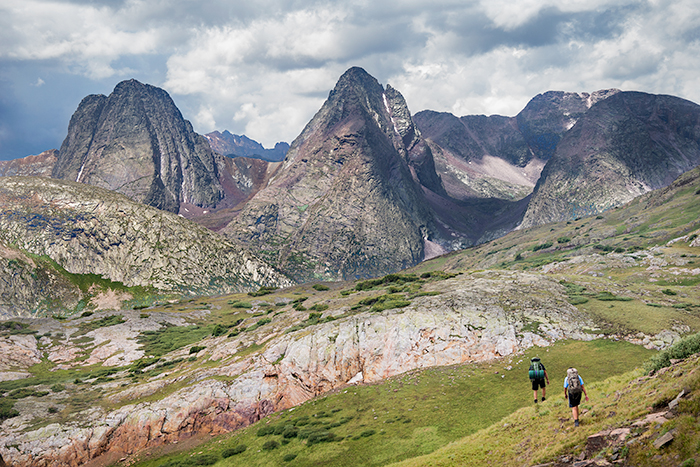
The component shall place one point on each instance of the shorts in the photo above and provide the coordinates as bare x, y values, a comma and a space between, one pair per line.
537, 383
574, 399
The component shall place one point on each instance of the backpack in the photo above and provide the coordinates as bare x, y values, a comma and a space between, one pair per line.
536, 370
574, 383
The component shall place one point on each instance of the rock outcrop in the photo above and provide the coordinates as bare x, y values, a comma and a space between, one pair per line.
89, 230
624, 146
136, 142
469, 321
348, 200
39, 165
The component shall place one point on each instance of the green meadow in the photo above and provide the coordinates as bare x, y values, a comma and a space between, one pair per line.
409, 415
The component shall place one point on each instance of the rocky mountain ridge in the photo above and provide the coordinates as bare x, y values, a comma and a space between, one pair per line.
495, 156
624, 146
88, 230
228, 144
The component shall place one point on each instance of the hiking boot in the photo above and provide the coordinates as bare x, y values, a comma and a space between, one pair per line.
535, 401
575, 422
543, 399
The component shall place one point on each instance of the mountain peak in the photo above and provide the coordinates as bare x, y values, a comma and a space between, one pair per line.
345, 203
136, 142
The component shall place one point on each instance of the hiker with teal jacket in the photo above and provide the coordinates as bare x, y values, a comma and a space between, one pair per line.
573, 387
538, 374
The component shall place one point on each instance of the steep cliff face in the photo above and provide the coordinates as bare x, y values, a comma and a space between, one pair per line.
345, 202
241, 178
39, 165
88, 230
136, 142
624, 146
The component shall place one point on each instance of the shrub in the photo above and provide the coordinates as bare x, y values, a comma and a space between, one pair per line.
240, 304
578, 300
58, 387
605, 248
290, 431
86, 314
542, 246
289, 457
668, 292
320, 287
14, 327
234, 450
388, 279
609, 297
21, 393
563, 240
367, 433
219, 330
270, 445
204, 459
196, 348
320, 436
7, 409
53, 409
319, 307
685, 347
518, 257
264, 290
266, 430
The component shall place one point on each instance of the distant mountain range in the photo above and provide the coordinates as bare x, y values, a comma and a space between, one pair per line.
232, 145
367, 188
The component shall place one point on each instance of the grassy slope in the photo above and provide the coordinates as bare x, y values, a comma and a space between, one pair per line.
545, 433
415, 413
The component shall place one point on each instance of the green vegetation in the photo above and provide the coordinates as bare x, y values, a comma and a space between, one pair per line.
264, 290
684, 348
15, 328
542, 246
320, 287
411, 414
169, 338
543, 433
609, 297
7, 409
111, 320
385, 302
388, 279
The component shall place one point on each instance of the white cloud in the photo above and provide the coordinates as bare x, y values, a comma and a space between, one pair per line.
264, 68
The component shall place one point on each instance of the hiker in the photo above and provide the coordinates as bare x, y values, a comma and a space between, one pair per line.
573, 387
538, 374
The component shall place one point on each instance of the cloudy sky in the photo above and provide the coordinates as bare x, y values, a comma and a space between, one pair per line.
264, 67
